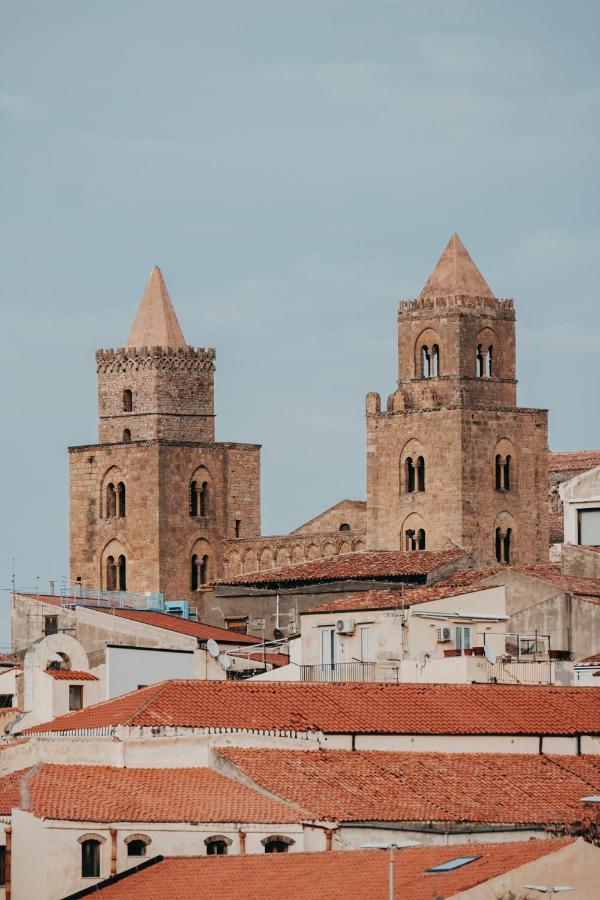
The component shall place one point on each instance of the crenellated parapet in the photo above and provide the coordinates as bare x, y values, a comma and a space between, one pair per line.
456, 302
174, 359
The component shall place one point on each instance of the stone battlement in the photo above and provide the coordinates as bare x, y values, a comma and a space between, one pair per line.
133, 359
454, 300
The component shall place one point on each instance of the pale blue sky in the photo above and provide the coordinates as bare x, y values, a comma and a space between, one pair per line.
295, 168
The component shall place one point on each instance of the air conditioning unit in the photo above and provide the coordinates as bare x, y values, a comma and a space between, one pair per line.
344, 626
444, 634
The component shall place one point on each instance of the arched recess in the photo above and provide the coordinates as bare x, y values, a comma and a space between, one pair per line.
250, 563
313, 552
359, 546
487, 358
329, 549
412, 471
283, 557
201, 565
505, 539
113, 566
297, 553
201, 492
266, 558
429, 355
109, 492
413, 535
345, 547
504, 466
233, 564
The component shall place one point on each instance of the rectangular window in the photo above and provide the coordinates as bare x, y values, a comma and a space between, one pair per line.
3, 865
50, 625
462, 639
366, 643
6, 700
327, 649
239, 624
75, 696
589, 527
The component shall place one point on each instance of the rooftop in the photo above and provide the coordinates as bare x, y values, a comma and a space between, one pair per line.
456, 274
184, 626
422, 787
338, 875
344, 708
111, 794
155, 323
70, 675
573, 460
352, 566
570, 584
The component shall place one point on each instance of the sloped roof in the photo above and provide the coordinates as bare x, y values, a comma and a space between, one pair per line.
348, 566
183, 626
412, 787
355, 505
345, 708
70, 675
570, 584
337, 875
155, 323
111, 794
573, 460
456, 274
460, 583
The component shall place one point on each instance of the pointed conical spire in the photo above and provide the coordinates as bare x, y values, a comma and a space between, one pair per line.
456, 273
155, 323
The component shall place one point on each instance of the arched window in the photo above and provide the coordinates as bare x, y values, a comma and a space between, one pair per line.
122, 573
507, 474
410, 539
137, 847
90, 858
410, 475
479, 366
277, 844
503, 545
217, 845
425, 362
121, 499
111, 574
126, 436
503, 472
204, 498
127, 400
193, 499
498, 545
499, 469
435, 361
344, 526
488, 361
194, 573
111, 501
204, 570
421, 538
507, 538
420, 474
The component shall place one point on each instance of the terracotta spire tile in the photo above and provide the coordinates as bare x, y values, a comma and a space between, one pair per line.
455, 274
155, 323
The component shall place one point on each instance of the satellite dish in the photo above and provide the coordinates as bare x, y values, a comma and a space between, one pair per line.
491, 657
213, 648
225, 661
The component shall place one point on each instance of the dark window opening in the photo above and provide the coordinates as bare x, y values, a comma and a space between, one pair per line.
121, 499
507, 537
410, 475
435, 361
204, 499
111, 574
239, 624
6, 701
503, 545
479, 367
498, 472
75, 696
420, 474
216, 848
3, 865
126, 436
507, 474
90, 859
122, 573
411, 541
276, 845
204, 570
488, 361
238, 527
194, 573
136, 848
503, 473
344, 526
425, 362
193, 499
127, 401
50, 625
421, 538
111, 501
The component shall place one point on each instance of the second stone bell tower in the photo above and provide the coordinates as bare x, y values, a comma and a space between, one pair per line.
452, 460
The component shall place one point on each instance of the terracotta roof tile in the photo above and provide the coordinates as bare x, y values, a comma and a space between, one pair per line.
573, 461
51, 599
590, 659
460, 583
436, 787
362, 564
111, 794
70, 675
8, 660
571, 584
184, 626
338, 875
274, 659
455, 274
346, 708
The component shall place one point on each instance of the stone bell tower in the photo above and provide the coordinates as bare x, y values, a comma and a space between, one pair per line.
452, 460
153, 500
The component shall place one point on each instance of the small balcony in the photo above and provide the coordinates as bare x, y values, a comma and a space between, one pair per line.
333, 672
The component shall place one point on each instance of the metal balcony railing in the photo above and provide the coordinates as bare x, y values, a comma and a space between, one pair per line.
79, 596
333, 672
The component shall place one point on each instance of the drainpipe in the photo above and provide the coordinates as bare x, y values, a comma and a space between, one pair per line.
329, 838
113, 852
8, 880
242, 835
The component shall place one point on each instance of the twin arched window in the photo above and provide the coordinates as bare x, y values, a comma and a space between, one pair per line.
503, 472
277, 844
199, 498
115, 500
503, 545
200, 571
217, 845
116, 573
484, 361
415, 474
430, 362
414, 540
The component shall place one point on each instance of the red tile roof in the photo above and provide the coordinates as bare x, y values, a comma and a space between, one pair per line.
70, 675
346, 708
460, 583
573, 461
111, 794
51, 599
589, 660
363, 564
338, 875
184, 626
416, 787
9, 661
570, 584
274, 659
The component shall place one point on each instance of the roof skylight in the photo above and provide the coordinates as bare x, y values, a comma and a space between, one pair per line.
452, 864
